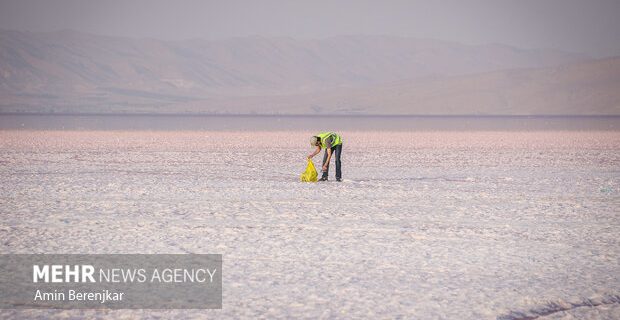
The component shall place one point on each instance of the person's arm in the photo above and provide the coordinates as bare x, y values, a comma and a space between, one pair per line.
329, 157
318, 149
328, 149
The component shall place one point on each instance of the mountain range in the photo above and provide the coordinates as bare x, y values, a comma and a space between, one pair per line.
73, 72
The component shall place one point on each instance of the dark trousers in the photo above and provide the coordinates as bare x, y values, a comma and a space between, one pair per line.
336, 151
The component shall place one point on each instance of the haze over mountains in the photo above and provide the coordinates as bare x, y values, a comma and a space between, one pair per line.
75, 72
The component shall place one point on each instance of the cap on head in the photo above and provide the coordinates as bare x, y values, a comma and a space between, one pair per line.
314, 141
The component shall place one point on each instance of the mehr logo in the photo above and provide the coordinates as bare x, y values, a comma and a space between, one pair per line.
57, 273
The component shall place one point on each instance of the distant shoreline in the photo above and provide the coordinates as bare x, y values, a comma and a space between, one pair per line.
228, 122
103, 114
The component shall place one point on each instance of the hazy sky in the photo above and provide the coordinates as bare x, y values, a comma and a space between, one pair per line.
588, 26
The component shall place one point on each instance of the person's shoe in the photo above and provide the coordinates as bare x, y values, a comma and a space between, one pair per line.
323, 179
338, 179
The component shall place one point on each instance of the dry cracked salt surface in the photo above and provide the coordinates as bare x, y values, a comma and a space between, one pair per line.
427, 225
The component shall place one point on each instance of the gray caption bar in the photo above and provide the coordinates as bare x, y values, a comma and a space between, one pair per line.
111, 281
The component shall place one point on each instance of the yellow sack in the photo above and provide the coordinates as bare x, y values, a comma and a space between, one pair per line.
310, 174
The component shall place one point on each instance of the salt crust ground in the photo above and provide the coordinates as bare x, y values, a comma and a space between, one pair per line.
428, 225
